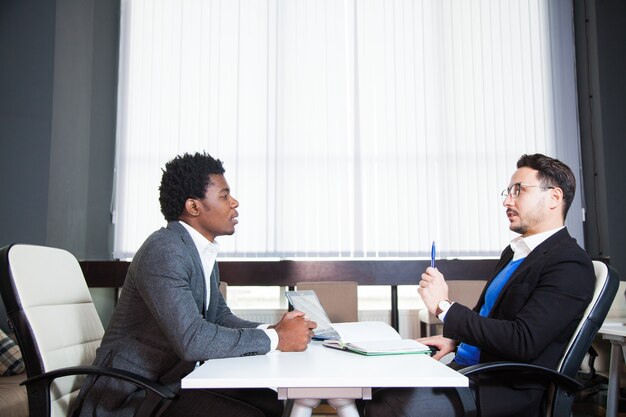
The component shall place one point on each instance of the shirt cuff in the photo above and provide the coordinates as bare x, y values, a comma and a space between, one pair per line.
271, 333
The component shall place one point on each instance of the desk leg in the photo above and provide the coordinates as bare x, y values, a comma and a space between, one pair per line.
345, 407
303, 407
394, 308
612, 397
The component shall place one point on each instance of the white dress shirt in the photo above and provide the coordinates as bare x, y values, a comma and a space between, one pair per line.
522, 246
208, 254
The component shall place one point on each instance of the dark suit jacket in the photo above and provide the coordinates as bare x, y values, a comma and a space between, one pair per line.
532, 321
160, 327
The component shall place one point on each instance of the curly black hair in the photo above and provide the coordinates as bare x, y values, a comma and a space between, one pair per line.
552, 173
186, 176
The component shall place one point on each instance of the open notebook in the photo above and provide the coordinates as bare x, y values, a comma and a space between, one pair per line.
364, 337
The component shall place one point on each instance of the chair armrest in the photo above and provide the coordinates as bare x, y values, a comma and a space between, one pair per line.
553, 376
467, 397
140, 381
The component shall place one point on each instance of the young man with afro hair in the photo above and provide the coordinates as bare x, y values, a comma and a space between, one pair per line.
171, 315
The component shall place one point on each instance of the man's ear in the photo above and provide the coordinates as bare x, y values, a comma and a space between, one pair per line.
556, 197
191, 207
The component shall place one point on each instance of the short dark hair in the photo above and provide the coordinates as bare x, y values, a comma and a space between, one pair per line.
552, 173
186, 176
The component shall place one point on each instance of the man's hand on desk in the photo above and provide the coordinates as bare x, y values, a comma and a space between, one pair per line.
443, 344
294, 332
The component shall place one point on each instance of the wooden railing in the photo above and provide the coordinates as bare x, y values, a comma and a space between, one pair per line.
111, 274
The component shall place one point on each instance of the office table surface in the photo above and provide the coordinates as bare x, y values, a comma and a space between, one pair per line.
616, 327
319, 366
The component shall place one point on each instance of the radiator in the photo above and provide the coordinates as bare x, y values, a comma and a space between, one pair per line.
408, 319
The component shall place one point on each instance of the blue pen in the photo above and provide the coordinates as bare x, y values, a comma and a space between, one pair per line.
432, 255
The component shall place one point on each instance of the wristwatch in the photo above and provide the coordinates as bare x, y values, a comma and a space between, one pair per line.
442, 307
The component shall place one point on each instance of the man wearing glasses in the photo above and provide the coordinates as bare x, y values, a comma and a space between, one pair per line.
528, 311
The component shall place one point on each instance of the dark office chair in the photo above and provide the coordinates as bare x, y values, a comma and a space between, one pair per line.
58, 329
564, 386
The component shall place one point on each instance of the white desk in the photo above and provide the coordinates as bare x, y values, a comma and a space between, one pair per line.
323, 373
616, 334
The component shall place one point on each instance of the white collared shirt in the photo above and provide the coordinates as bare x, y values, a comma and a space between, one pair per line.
522, 246
208, 254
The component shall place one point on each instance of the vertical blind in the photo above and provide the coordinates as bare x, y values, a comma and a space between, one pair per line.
356, 128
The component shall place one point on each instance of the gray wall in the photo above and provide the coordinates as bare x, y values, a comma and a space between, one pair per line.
58, 78
601, 65
58, 82
26, 68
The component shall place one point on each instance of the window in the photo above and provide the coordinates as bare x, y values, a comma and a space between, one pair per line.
362, 128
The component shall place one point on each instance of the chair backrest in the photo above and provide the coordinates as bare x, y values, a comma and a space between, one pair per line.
224, 290
607, 283
339, 298
55, 320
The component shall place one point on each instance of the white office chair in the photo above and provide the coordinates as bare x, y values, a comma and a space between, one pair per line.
224, 289
58, 329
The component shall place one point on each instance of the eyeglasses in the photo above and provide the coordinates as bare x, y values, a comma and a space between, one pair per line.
515, 189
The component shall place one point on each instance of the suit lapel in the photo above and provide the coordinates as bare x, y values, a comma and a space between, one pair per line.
534, 256
198, 283
505, 258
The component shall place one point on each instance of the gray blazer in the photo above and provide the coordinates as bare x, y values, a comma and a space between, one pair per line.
162, 326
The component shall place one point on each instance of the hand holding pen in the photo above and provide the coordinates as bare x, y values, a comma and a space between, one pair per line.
433, 252
432, 286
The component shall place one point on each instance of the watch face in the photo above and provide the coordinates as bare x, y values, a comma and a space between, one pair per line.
442, 306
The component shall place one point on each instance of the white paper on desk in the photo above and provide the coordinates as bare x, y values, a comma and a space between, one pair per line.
361, 331
373, 338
